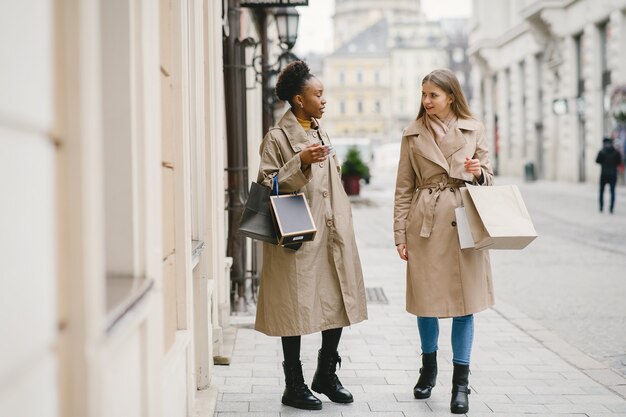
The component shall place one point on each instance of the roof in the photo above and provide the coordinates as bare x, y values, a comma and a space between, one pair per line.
368, 43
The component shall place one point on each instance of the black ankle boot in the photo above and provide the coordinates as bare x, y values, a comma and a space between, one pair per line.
325, 380
428, 376
459, 403
296, 393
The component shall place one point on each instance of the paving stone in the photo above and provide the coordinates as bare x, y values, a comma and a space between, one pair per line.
232, 406
577, 408
517, 408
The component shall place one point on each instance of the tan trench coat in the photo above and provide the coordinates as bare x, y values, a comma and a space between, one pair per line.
320, 286
442, 279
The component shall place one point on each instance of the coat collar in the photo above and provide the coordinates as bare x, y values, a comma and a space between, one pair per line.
416, 127
452, 142
294, 131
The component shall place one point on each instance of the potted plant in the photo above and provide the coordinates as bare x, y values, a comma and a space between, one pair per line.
352, 170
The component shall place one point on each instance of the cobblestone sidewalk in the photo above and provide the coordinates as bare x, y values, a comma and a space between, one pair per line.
518, 367
513, 373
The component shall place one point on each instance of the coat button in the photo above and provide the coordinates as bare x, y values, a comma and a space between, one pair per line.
321, 165
329, 223
325, 193
451, 189
430, 191
453, 223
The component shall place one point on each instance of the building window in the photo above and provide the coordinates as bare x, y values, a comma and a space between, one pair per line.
342, 78
124, 188
377, 77
377, 106
342, 107
359, 77
605, 75
522, 86
458, 55
359, 106
509, 104
539, 115
461, 77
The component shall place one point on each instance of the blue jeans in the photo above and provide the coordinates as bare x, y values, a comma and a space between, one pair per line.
462, 336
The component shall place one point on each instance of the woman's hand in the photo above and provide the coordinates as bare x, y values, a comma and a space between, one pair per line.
401, 248
472, 166
313, 153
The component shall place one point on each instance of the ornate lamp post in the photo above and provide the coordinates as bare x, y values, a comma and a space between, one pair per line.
287, 20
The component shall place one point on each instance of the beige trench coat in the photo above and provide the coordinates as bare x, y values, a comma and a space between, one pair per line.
442, 279
319, 286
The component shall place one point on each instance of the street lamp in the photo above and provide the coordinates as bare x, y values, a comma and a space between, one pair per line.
287, 19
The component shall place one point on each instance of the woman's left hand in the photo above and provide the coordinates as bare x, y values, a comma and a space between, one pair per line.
472, 166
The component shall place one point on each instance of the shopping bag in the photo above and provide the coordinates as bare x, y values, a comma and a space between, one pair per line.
493, 217
292, 218
256, 220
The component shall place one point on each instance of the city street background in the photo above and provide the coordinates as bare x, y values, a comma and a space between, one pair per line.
553, 344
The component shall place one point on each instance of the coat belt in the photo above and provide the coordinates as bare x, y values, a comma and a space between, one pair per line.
437, 188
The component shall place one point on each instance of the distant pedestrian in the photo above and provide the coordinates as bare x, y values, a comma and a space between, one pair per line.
318, 286
610, 159
441, 151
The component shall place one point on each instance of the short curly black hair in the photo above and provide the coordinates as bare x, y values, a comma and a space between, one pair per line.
292, 79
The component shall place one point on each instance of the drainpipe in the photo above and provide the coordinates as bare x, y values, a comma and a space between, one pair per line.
237, 160
261, 19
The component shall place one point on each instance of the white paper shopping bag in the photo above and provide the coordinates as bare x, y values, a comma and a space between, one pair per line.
463, 227
497, 217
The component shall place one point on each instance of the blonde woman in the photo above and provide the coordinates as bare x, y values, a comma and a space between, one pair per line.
441, 151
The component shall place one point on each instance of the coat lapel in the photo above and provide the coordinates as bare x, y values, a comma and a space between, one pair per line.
296, 135
426, 145
452, 142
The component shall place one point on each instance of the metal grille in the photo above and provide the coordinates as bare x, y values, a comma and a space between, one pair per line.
376, 295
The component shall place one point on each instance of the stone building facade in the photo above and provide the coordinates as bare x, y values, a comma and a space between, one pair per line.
543, 76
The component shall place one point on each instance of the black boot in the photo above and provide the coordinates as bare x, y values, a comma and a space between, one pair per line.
296, 393
325, 380
428, 376
459, 403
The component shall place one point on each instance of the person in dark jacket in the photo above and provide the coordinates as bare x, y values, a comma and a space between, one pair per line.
609, 158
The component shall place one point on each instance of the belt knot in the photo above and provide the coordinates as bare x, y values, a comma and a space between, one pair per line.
435, 187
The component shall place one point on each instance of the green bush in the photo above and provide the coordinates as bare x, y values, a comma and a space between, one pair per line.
354, 165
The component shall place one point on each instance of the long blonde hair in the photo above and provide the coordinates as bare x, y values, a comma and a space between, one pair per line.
449, 83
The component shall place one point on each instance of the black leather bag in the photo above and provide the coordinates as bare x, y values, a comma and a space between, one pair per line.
256, 220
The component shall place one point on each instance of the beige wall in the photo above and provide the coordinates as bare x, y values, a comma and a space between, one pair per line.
112, 129
28, 275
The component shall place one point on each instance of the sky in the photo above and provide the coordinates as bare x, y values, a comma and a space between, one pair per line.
315, 31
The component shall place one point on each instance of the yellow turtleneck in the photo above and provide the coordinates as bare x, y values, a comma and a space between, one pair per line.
306, 124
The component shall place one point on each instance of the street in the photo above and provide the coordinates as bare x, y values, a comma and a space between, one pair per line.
553, 345
573, 278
